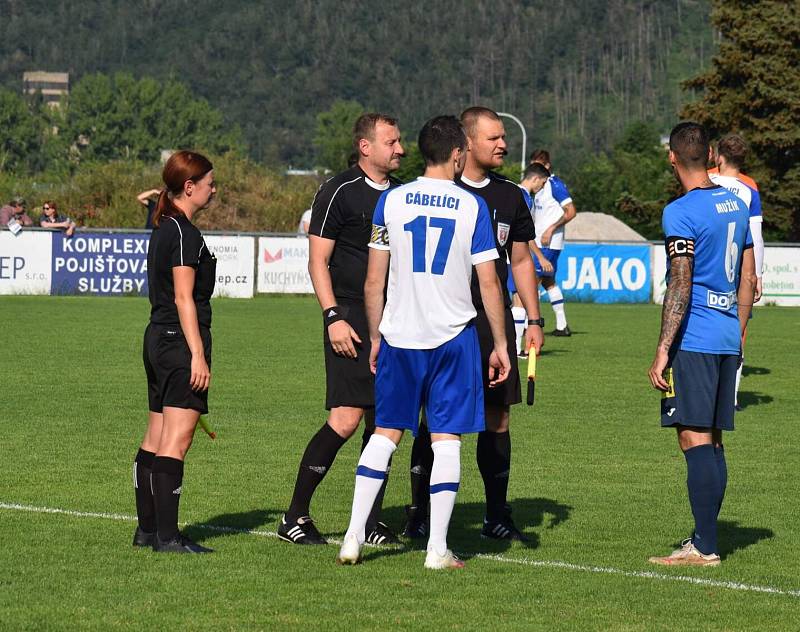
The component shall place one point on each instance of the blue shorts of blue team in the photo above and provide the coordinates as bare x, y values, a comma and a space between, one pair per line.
552, 256
702, 391
446, 380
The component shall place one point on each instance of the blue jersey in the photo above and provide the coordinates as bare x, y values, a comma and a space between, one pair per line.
713, 224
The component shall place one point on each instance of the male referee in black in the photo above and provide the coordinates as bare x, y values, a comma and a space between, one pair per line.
513, 229
341, 221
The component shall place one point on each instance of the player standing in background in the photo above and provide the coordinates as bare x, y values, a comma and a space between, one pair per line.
341, 221
513, 229
553, 209
730, 157
710, 288
427, 236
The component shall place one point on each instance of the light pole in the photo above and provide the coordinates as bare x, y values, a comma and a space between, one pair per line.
524, 137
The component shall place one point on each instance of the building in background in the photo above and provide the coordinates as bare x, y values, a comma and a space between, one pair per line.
52, 85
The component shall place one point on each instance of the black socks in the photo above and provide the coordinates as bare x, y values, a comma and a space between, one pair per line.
167, 478
145, 506
494, 463
421, 464
317, 459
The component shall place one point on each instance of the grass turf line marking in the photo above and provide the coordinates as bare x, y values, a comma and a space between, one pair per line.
554, 564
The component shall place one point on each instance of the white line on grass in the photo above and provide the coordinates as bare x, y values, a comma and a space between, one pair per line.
605, 570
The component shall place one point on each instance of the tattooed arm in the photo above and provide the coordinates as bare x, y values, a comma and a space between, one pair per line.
676, 304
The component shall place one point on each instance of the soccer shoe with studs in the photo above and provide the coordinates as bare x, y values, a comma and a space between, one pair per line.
416, 525
503, 529
179, 544
562, 333
687, 555
381, 535
300, 531
437, 562
350, 552
142, 538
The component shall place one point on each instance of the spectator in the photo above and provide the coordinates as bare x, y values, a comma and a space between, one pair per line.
14, 212
305, 222
148, 199
51, 218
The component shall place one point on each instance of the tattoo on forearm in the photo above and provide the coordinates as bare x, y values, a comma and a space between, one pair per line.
676, 300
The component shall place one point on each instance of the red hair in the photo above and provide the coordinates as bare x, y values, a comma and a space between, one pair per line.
182, 166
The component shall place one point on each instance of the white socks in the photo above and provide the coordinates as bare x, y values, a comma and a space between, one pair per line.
445, 477
370, 474
557, 302
519, 325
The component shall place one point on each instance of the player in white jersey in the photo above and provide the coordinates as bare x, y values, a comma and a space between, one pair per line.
552, 210
730, 157
427, 235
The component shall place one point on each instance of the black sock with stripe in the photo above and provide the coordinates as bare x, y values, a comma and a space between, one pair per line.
145, 506
167, 478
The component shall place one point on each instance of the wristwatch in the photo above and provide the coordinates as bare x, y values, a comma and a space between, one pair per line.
536, 321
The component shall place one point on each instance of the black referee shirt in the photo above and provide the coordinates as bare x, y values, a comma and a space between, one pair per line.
342, 211
511, 221
178, 242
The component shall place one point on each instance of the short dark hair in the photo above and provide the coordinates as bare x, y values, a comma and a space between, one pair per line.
689, 142
541, 156
470, 116
734, 148
439, 137
535, 170
365, 126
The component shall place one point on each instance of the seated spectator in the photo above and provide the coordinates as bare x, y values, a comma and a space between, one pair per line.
51, 218
15, 211
149, 199
305, 222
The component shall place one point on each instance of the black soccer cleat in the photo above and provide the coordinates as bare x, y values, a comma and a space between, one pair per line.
179, 544
142, 538
416, 525
562, 333
503, 529
381, 535
300, 531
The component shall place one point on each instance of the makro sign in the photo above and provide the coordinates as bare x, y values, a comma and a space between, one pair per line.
605, 273
98, 263
283, 265
25, 262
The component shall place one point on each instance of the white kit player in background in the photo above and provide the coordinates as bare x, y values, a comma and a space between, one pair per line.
730, 157
552, 210
428, 235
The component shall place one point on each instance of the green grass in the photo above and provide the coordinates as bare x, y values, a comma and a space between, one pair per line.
595, 482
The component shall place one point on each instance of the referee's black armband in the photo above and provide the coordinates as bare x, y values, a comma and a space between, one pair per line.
679, 247
332, 314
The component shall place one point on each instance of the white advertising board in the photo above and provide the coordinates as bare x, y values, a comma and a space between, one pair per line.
25, 262
283, 265
781, 281
235, 264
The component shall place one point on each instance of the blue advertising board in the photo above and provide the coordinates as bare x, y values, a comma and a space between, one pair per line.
100, 264
605, 273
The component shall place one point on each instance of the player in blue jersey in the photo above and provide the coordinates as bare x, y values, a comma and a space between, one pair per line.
427, 236
710, 289
552, 210
730, 156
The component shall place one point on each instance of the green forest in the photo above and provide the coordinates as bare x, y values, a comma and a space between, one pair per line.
595, 83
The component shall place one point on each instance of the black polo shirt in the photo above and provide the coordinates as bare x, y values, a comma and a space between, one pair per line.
511, 221
178, 242
342, 211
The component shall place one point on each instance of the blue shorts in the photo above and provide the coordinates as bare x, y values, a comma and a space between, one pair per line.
446, 380
702, 390
552, 256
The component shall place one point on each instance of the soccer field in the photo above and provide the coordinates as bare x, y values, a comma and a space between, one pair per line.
596, 484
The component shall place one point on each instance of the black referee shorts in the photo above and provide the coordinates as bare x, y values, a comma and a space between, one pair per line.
510, 391
168, 364
349, 381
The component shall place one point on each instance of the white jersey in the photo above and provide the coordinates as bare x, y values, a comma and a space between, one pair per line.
305, 218
548, 207
435, 231
752, 199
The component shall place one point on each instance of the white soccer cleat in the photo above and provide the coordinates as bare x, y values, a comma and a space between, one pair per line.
350, 553
687, 555
438, 562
